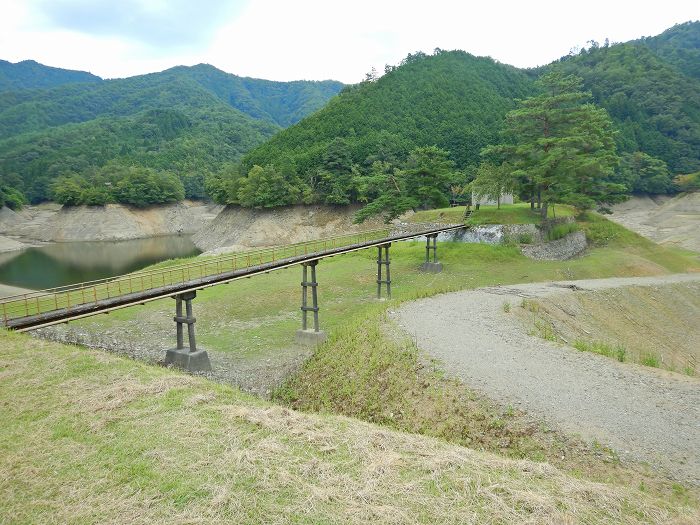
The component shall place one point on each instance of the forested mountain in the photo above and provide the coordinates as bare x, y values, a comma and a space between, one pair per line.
457, 102
30, 74
189, 121
655, 106
453, 100
679, 46
283, 103
431, 116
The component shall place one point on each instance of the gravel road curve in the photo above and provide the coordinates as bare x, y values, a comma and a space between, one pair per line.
642, 413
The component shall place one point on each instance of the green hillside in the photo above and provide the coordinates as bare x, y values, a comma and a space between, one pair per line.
655, 106
458, 102
679, 46
185, 121
283, 103
452, 99
29, 74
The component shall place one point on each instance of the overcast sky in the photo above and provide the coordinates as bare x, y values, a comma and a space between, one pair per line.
313, 39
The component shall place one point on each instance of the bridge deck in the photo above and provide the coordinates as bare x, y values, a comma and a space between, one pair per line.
47, 307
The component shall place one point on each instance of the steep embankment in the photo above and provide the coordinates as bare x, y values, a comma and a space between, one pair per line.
237, 228
51, 222
663, 219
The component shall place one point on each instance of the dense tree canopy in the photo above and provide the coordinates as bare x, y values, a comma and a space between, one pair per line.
193, 122
373, 142
559, 146
655, 107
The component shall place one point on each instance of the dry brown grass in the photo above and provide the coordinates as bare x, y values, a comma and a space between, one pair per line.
657, 322
92, 438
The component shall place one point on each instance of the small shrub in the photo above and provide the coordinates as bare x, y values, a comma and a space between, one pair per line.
506, 307
561, 230
620, 353
651, 360
545, 330
525, 238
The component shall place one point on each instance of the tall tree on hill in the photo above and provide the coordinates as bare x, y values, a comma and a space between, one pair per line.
562, 145
335, 177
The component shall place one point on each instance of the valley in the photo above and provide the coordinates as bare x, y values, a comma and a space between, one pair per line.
530, 357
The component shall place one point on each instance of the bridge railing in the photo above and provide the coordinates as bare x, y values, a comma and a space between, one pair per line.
165, 274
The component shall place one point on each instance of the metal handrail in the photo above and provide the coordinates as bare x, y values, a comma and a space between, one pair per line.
29, 313
207, 260
37, 301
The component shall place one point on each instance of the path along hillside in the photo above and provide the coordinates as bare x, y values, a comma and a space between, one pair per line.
643, 413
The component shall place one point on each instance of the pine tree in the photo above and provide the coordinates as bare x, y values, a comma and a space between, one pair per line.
561, 146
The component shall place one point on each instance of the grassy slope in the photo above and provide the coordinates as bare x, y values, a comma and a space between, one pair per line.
368, 372
255, 318
519, 213
89, 437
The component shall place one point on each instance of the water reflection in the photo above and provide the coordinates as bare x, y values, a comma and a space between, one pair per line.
72, 262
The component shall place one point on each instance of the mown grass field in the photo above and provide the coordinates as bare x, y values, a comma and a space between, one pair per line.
88, 437
519, 213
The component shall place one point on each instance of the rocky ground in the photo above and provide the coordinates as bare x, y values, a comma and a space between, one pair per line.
643, 413
662, 218
238, 228
52, 223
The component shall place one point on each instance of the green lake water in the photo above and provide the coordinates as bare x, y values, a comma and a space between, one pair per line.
73, 262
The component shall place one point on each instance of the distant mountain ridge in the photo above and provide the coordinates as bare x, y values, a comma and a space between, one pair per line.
194, 121
29, 74
186, 120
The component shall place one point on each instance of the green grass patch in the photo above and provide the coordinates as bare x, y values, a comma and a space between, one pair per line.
560, 231
256, 318
615, 351
117, 441
519, 213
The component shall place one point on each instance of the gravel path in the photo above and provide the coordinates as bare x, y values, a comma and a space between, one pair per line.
644, 414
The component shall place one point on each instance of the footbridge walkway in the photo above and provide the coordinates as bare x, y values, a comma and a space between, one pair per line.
43, 308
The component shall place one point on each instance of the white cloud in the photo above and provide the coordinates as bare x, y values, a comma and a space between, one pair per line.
314, 39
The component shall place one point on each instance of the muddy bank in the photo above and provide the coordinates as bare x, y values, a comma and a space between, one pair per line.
10, 245
53, 223
662, 218
237, 228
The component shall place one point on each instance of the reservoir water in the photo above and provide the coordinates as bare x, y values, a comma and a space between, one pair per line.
73, 262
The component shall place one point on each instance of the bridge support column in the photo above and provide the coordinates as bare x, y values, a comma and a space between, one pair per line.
383, 261
190, 358
431, 263
309, 336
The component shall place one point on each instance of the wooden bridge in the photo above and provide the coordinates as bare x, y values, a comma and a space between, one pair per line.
41, 308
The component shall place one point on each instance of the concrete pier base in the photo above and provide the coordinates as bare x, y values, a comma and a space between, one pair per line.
191, 361
431, 267
310, 337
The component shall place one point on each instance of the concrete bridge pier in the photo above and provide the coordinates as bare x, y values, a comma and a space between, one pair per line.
306, 335
431, 263
190, 358
383, 261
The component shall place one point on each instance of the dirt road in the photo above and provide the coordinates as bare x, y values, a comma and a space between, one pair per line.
643, 413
